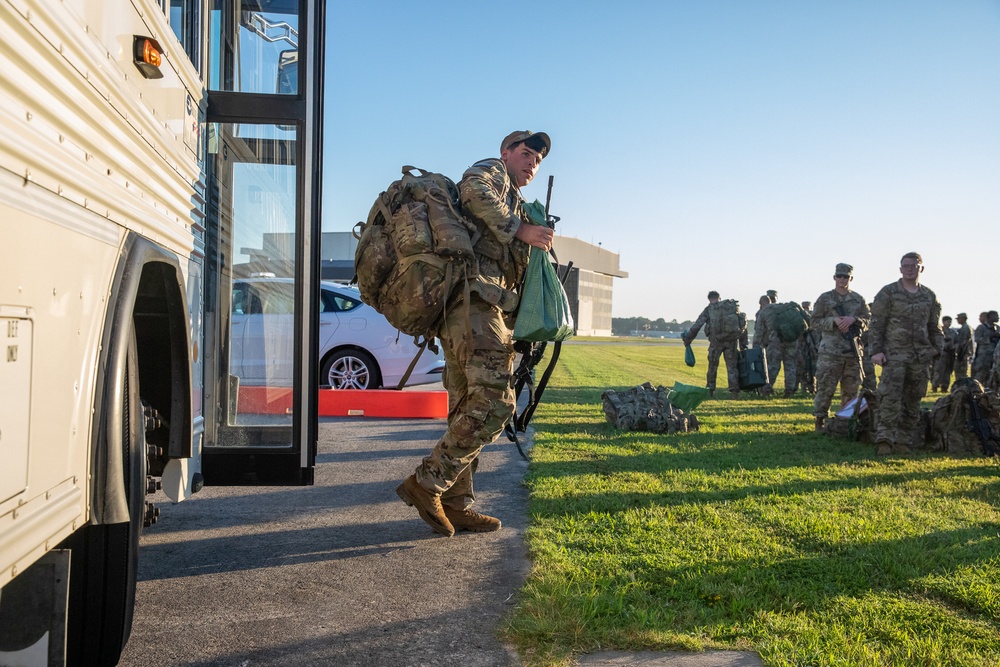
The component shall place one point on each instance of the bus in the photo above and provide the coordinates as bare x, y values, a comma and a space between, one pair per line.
153, 153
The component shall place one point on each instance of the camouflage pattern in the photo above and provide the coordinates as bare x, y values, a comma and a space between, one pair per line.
477, 337
963, 350
951, 414
414, 251
494, 204
806, 357
722, 342
993, 380
905, 329
869, 378
479, 363
986, 337
839, 362
645, 408
779, 352
945, 364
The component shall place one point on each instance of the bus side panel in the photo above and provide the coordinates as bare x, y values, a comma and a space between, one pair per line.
89, 149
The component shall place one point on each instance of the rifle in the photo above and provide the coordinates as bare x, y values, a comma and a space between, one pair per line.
531, 356
980, 425
853, 333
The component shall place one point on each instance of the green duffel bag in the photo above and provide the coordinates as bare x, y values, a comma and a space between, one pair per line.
688, 356
543, 314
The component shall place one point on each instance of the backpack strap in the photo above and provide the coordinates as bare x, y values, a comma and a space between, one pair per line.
406, 375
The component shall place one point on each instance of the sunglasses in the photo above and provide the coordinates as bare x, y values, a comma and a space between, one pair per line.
841, 275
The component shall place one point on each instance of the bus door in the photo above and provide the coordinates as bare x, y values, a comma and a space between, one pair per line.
262, 241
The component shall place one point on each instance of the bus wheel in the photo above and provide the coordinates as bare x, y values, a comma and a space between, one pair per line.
105, 557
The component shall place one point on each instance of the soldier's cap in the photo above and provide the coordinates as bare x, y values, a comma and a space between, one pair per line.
538, 141
946, 317
843, 270
773, 293
962, 315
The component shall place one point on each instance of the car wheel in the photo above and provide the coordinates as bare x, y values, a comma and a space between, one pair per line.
351, 369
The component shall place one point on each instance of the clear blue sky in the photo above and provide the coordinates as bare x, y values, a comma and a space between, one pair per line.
730, 145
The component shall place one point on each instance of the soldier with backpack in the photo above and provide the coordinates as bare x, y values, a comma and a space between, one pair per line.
778, 329
476, 335
726, 328
840, 315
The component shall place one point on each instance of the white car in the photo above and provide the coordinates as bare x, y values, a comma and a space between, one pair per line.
358, 348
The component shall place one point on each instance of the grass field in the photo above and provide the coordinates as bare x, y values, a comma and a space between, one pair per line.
753, 533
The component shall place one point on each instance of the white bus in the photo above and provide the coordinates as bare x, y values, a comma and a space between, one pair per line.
152, 152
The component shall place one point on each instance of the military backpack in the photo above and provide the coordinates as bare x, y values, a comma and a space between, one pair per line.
725, 320
790, 321
415, 252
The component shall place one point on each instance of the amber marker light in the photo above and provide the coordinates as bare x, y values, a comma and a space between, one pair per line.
147, 56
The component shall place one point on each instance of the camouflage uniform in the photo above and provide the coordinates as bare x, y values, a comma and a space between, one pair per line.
869, 379
839, 362
945, 364
993, 380
477, 337
806, 349
963, 351
986, 337
905, 329
720, 344
778, 351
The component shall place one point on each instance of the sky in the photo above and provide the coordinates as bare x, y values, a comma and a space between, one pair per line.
735, 146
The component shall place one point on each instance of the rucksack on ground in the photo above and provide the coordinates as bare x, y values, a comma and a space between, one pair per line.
646, 408
790, 321
415, 251
951, 415
726, 321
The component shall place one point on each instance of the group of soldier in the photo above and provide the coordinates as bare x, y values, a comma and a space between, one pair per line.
900, 330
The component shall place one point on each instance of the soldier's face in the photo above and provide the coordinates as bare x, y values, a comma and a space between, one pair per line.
910, 269
522, 163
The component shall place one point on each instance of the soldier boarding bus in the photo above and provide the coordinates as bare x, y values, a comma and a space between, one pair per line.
152, 153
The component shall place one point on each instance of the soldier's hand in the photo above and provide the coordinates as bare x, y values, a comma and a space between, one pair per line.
878, 359
536, 236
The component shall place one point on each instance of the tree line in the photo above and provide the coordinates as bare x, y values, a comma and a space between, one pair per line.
624, 326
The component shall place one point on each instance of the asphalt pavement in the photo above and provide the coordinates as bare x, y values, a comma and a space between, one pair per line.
343, 573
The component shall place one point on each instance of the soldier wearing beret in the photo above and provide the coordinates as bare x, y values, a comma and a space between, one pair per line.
840, 315
477, 336
906, 337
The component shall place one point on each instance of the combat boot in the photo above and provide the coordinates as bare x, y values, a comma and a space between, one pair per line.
820, 423
711, 392
427, 503
472, 521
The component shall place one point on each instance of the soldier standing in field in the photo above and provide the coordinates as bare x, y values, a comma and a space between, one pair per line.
986, 337
759, 338
779, 352
477, 336
726, 328
805, 356
905, 338
840, 316
963, 347
945, 364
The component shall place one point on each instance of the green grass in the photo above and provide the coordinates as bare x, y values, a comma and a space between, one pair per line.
753, 533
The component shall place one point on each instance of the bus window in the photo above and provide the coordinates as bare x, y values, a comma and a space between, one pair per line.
265, 47
184, 20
